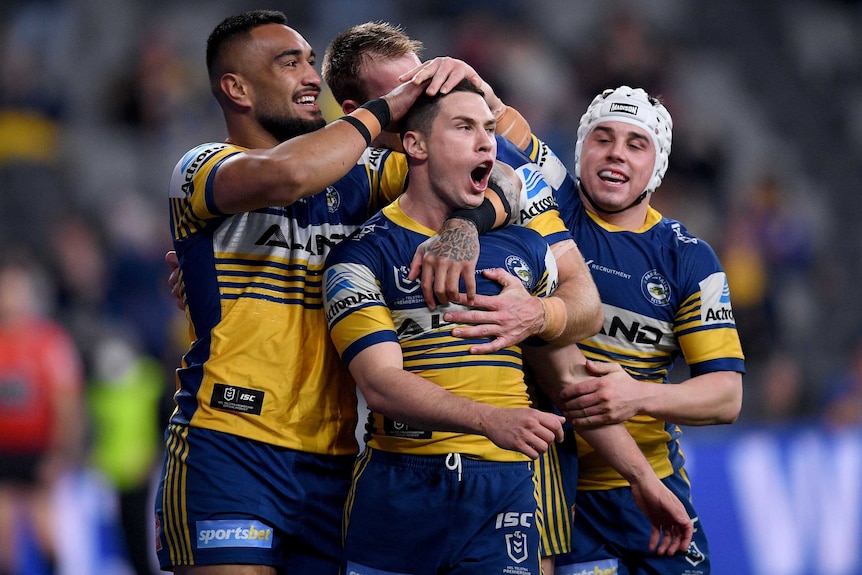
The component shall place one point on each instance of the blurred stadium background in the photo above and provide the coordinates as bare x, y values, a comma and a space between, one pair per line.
99, 98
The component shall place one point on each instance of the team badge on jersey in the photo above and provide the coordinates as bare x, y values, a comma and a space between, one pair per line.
655, 288
516, 266
333, 199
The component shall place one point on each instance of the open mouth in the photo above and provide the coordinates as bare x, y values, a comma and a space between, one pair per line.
307, 99
613, 177
481, 173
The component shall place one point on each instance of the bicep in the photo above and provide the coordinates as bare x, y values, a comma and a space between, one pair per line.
250, 180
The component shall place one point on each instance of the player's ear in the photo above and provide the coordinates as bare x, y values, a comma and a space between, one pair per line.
414, 145
349, 106
235, 89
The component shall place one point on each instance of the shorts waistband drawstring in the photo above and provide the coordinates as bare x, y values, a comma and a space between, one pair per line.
453, 462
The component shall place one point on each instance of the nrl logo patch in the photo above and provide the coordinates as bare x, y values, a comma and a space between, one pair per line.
516, 546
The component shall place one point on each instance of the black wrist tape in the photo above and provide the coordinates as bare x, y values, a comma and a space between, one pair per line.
380, 108
360, 127
483, 217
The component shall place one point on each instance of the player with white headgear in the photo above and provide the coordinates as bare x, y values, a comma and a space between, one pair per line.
631, 106
664, 295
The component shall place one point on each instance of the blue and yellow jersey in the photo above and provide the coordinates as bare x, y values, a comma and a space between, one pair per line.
261, 363
664, 294
369, 300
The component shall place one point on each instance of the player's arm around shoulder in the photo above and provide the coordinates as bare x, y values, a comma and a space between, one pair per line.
304, 165
279, 176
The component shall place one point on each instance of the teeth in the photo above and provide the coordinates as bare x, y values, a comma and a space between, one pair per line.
306, 100
611, 175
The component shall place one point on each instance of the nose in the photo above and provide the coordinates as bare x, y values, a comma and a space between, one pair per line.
485, 140
311, 76
616, 151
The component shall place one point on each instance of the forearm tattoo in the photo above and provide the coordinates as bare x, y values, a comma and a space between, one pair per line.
457, 241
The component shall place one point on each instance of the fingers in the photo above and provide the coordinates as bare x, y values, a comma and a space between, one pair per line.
673, 540
416, 74
427, 283
416, 264
559, 434
540, 441
655, 537
446, 287
469, 286
669, 540
499, 275
578, 390
602, 367
444, 74
492, 346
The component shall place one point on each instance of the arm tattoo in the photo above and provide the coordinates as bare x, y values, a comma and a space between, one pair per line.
511, 192
458, 241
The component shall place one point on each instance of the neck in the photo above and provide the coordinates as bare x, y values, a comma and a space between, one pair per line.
631, 218
245, 134
420, 204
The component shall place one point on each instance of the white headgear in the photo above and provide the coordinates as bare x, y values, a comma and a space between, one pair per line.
633, 106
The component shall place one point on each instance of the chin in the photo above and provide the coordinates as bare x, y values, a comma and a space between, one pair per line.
476, 201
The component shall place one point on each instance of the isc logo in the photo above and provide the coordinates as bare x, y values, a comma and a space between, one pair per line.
514, 519
246, 397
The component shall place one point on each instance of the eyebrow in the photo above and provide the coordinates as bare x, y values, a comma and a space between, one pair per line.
291, 53
629, 134
473, 120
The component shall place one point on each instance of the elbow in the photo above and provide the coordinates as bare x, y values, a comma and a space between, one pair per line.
733, 407
729, 417
733, 413
592, 323
373, 400
379, 402
598, 319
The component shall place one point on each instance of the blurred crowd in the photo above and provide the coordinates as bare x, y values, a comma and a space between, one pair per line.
99, 99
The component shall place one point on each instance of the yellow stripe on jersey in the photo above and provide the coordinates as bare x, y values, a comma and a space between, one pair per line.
176, 528
554, 518
190, 213
358, 469
710, 344
393, 178
295, 281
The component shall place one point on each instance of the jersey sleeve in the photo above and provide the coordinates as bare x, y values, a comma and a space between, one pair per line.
704, 324
191, 188
387, 173
356, 311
